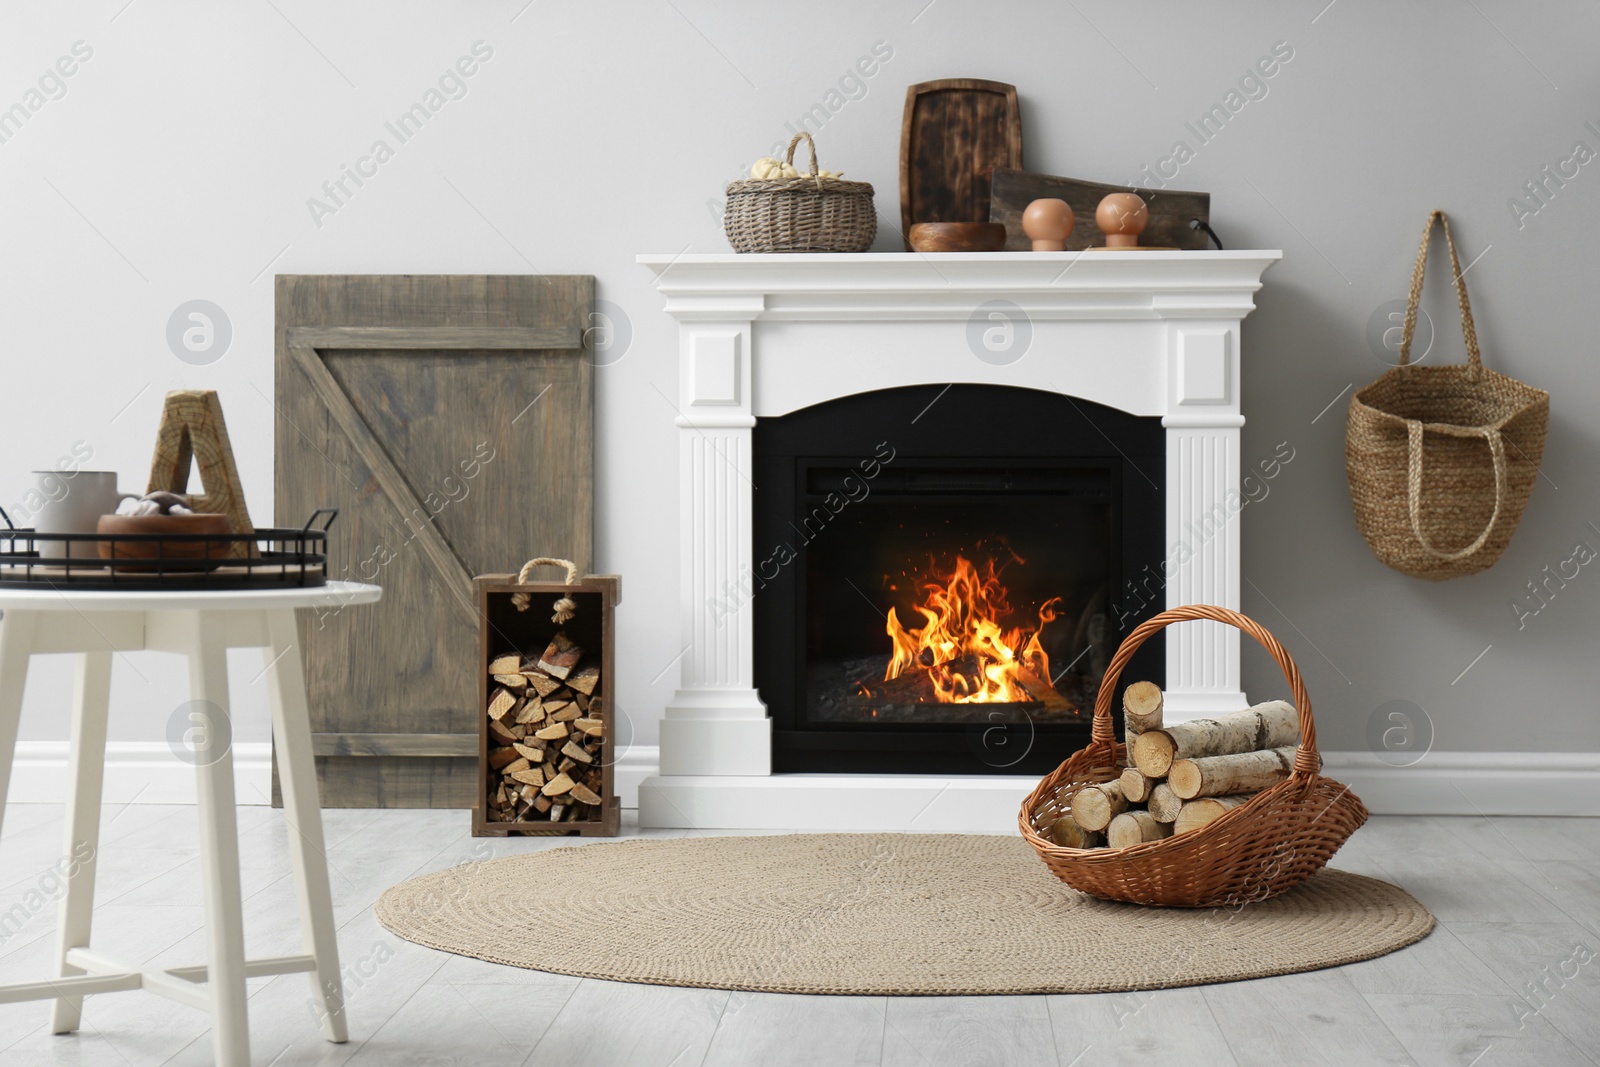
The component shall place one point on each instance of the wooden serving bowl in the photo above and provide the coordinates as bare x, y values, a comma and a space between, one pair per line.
199, 523
957, 236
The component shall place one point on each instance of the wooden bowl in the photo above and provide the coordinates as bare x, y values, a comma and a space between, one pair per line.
200, 523
957, 236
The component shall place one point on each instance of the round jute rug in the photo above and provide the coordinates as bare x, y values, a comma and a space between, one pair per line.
873, 914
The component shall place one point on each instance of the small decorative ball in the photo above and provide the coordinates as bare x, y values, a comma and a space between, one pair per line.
1048, 222
1122, 217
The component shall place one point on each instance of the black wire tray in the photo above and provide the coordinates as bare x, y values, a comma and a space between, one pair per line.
272, 558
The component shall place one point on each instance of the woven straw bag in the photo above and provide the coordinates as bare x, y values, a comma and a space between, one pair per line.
806, 214
1441, 460
1271, 844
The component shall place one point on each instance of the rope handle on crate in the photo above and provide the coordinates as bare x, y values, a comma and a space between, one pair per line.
1306, 760
566, 608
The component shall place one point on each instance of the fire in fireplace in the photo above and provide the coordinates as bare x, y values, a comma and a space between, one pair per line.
949, 613
970, 594
963, 654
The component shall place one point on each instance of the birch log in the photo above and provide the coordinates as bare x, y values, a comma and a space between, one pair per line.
1135, 828
1135, 785
1198, 813
1141, 711
1068, 834
1263, 726
1242, 772
1164, 804
1094, 806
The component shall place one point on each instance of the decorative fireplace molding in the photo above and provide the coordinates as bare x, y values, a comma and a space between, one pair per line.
1149, 332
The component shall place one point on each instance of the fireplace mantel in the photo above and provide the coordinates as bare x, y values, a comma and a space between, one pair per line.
1148, 332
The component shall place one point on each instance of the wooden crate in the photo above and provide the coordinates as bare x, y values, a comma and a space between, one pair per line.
504, 629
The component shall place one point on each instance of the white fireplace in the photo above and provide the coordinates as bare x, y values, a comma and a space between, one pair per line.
1152, 333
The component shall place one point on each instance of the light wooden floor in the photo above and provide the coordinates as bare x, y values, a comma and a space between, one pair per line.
1511, 976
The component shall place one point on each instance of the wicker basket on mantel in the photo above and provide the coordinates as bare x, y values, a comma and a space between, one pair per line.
1267, 846
805, 214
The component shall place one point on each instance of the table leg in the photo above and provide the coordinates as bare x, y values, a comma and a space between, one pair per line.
16, 645
297, 772
219, 839
87, 757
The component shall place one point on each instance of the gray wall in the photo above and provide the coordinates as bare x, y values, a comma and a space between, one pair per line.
179, 162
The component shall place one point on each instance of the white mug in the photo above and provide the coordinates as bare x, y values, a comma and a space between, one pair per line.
73, 504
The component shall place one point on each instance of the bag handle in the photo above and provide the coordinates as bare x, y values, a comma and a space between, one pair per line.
1468, 330
1497, 453
1307, 762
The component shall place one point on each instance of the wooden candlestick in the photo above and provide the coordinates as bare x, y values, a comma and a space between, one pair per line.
1048, 222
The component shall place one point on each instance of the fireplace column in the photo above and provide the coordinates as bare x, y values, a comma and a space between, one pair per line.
1203, 504
716, 722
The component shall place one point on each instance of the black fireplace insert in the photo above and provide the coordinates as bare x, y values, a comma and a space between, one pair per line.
940, 575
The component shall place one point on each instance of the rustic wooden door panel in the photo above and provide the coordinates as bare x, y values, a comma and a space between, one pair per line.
450, 419
505, 442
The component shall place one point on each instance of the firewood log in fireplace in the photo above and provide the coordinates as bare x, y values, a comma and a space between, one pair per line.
1042, 691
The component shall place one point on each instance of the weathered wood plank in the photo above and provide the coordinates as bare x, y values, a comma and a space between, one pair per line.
444, 462
452, 573
394, 744
520, 338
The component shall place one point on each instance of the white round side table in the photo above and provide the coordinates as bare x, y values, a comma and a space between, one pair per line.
201, 626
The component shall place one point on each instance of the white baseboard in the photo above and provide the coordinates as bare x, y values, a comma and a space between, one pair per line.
1473, 783
855, 803
636, 763
146, 772
137, 772
1441, 783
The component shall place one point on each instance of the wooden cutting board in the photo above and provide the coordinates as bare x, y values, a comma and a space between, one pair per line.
955, 132
1170, 210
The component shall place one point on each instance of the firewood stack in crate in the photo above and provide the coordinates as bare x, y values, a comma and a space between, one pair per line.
549, 722
1181, 777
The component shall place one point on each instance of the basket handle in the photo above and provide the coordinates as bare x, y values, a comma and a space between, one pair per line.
1468, 330
794, 142
1497, 453
1306, 760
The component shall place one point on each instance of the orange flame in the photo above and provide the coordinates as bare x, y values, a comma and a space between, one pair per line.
969, 657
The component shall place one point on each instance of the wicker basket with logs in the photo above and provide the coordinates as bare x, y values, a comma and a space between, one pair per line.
548, 727
1212, 812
